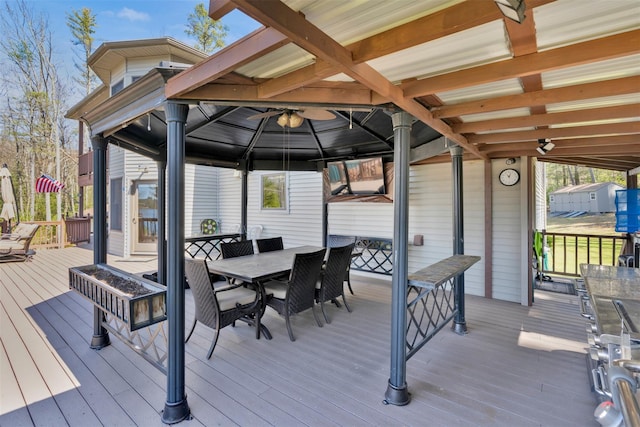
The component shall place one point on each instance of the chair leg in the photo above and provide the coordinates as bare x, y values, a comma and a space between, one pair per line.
213, 344
349, 284
291, 337
315, 315
193, 327
324, 313
345, 303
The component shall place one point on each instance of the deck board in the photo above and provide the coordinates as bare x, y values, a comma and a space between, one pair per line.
518, 365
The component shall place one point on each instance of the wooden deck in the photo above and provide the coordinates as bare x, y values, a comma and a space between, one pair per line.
518, 366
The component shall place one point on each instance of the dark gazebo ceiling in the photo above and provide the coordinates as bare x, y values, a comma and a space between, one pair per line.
225, 136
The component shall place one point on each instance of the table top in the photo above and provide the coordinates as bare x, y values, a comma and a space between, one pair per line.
259, 267
438, 273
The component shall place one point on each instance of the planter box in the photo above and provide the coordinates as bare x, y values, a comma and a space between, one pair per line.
136, 301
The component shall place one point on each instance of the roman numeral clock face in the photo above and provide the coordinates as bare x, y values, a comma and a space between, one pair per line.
509, 177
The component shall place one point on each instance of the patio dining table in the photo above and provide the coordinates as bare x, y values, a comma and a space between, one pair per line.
258, 268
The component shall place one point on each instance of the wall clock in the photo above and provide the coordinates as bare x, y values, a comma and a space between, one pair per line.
509, 177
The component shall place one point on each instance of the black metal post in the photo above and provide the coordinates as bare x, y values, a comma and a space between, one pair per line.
176, 407
397, 392
100, 337
162, 222
459, 323
245, 201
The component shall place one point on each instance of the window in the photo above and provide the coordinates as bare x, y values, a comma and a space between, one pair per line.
592, 196
274, 191
117, 87
115, 204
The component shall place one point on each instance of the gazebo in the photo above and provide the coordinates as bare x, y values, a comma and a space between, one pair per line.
416, 82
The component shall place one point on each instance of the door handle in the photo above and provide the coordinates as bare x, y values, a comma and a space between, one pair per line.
134, 220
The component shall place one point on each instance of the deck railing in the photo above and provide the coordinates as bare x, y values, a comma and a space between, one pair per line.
59, 234
567, 251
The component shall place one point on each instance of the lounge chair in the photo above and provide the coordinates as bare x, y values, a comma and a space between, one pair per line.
15, 246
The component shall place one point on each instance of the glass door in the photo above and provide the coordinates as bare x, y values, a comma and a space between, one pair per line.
144, 208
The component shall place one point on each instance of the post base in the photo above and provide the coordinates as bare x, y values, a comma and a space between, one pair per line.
398, 396
100, 341
459, 328
175, 412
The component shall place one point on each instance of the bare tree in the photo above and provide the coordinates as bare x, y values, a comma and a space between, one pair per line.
34, 107
209, 33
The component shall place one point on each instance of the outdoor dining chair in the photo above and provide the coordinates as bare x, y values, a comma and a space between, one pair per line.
234, 249
270, 244
217, 307
335, 241
298, 293
331, 283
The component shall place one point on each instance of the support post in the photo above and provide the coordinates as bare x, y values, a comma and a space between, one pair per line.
100, 337
245, 201
397, 392
162, 222
459, 323
176, 407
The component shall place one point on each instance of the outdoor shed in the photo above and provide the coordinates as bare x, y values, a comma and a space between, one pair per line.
598, 197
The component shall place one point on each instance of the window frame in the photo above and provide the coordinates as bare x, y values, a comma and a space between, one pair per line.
283, 190
116, 204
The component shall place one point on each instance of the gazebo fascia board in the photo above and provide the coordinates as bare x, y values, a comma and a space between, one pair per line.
141, 97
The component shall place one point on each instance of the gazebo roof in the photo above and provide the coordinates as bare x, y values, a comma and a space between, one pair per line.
495, 87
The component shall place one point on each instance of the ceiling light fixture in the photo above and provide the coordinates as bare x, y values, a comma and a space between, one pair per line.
293, 120
545, 146
512, 9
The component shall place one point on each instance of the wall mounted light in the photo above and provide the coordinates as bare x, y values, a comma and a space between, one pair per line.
545, 145
512, 9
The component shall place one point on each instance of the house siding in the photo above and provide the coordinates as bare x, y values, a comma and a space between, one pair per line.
229, 199
201, 196
299, 224
507, 237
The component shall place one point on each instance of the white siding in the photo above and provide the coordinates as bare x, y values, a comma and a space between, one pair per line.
200, 197
507, 244
541, 196
229, 199
140, 66
430, 214
115, 239
301, 222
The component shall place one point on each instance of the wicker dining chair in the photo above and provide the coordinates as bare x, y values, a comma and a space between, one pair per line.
335, 241
270, 244
235, 249
217, 307
331, 284
298, 293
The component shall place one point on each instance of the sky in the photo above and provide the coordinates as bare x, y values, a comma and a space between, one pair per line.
129, 20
